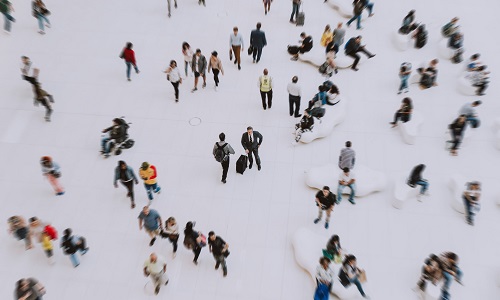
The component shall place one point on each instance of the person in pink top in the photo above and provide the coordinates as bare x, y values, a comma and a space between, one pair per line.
129, 56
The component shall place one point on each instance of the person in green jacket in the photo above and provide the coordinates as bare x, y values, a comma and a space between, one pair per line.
6, 9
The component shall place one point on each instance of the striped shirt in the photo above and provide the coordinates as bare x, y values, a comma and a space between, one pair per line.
347, 158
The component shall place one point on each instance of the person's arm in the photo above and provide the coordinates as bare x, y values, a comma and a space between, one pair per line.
226, 246
241, 39
129, 169
164, 268
230, 149
180, 76
351, 181
160, 222
261, 138
146, 273
219, 62
140, 223
264, 39
117, 175
243, 144
230, 42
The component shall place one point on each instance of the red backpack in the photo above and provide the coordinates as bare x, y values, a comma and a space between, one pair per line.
51, 232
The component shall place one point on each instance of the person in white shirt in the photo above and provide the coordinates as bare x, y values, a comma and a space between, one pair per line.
471, 198
346, 179
171, 232
294, 94
468, 109
156, 267
324, 274
479, 78
174, 76
28, 71
266, 89
236, 45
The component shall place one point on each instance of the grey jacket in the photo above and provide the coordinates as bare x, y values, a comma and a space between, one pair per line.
202, 64
227, 149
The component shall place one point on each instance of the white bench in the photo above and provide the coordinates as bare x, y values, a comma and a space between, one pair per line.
334, 115
403, 193
367, 180
444, 50
497, 134
315, 57
307, 247
402, 41
409, 130
345, 8
465, 85
432, 292
457, 186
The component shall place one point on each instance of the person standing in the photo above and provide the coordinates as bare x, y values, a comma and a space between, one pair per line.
266, 89
469, 110
28, 71
40, 12
171, 232
457, 129
295, 10
188, 57
257, 42
168, 6
251, 141
20, 229
29, 289
218, 247
156, 267
221, 152
6, 9
346, 179
199, 66
193, 240
72, 244
126, 175
174, 76
347, 157
41, 96
352, 47
236, 44
294, 95
326, 37
151, 221
325, 201
129, 56
52, 171
215, 65
471, 197
148, 173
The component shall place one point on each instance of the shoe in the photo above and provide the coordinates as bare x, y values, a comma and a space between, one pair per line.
352, 201
316, 220
239, 67
223, 180
137, 71
60, 194
157, 290
366, 297
175, 5
129, 79
169, 15
194, 90
373, 55
41, 32
47, 25
106, 155
294, 58
47, 119
225, 273
337, 202
348, 24
258, 168
166, 282
264, 108
203, 85
132, 205
292, 21
257, 61
298, 116
394, 124
326, 225
176, 100
371, 15
254, 61
235, 61
359, 28
77, 265
85, 250
152, 242
336, 71
250, 166
217, 266
407, 90
158, 191
266, 12
195, 262
399, 92
355, 69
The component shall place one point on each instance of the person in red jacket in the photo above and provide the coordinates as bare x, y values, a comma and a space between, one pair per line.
129, 56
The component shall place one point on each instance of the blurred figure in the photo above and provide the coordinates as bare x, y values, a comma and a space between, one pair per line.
324, 279
20, 229
72, 244
451, 272
199, 66
44, 98
429, 75
129, 56
6, 9
334, 249
431, 271
351, 274
188, 57
327, 36
450, 28
156, 267
404, 75
149, 174
29, 289
416, 179
325, 201
257, 41
168, 6
469, 110
219, 249
151, 221
352, 47
171, 232
193, 240
408, 23
457, 129
40, 12
471, 197
28, 71
52, 172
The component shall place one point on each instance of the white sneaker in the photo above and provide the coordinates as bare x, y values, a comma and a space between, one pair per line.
174, 255
47, 25
41, 32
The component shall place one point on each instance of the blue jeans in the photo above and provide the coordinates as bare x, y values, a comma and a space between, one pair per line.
341, 187
41, 18
356, 282
129, 64
8, 19
358, 17
473, 121
424, 186
74, 259
370, 7
105, 144
186, 65
150, 188
404, 82
469, 212
295, 10
448, 278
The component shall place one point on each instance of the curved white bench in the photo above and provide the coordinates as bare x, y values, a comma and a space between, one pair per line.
402, 41
334, 115
367, 180
315, 57
457, 186
307, 247
402, 193
497, 134
444, 50
409, 130
344, 7
343, 61
465, 86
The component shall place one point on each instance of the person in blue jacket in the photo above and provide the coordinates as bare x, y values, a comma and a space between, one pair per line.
126, 175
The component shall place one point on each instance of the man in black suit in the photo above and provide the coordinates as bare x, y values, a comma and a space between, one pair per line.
251, 141
257, 41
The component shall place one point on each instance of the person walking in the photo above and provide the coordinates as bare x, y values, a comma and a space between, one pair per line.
324, 279
326, 37
171, 232
126, 175
267, 5
325, 201
215, 64
295, 10
457, 129
266, 89
219, 249
352, 47
168, 6
129, 56
72, 244
199, 66
451, 272
148, 173
346, 179
357, 11
417, 179
221, 152
28, 71
40, 12
20, 229
236, 44
251, 140
257, 41
294, 95
52, 171
156, 268
469, 110
471, 197
352, 274
44, 98
151, 221
347, 157
188, 57
6, 9
194, 240
175, 78
338, 36
29, 289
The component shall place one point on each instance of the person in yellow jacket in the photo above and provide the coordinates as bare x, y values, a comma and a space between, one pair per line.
327, 36
266, 88
148, 173
47, 246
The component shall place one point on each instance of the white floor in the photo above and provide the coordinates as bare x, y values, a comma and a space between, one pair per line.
258, 212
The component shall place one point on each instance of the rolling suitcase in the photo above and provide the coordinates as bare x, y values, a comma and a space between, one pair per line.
241, 164
300, 18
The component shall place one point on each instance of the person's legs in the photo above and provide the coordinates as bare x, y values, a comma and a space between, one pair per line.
237, 54
256, 154
397, 116
156, 188
174, 242
196, 250
358, 22
358, 285
320, 215
291, 102
456, 139
204, 80
468, 210
254, 53
424, 185
295, 11
104, 142
186, 64
263, 98
130, 188
74, 260
149, 190
339, 193
328, 213
366, 52
250, 158
196, 75
176, 89
297, 106
351, 20
54, 182
352, 186
446, 286
356, 59
168, 7
225, 168
474, 122
270, 98
48, 109
129, 64
136, 68
259, 52
370, 8
40, 22
216, 76
7, 23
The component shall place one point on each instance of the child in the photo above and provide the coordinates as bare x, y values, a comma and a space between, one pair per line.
48, 247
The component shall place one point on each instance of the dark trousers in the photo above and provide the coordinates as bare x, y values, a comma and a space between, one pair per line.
176, 89
481, 87
269, 98
216, 76
469, 214
256, 154
196, 251
225, 168
357, 57
130, 188
48, 108
294, 101
401, 116
257, 52
237, 54
295, 10
174, 241
31, 80
456, 139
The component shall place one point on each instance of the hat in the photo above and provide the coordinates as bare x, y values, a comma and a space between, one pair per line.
145, 165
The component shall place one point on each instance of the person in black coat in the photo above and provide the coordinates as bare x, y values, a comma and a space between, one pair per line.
457, 129
251, 141
408, 23
352, 47
257, 41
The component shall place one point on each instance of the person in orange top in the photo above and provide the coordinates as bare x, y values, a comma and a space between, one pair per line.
148, 173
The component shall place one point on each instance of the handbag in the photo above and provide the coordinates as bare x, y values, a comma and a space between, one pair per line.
202, 240
362, 276
226, 253
250, 50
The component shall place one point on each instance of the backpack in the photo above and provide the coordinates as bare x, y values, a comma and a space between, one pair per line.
51, 232
323, 68
318, 112
343, 278
220, 154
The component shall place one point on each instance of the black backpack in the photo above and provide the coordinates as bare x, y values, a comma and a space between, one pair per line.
323, 68
421, 39
219, 152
